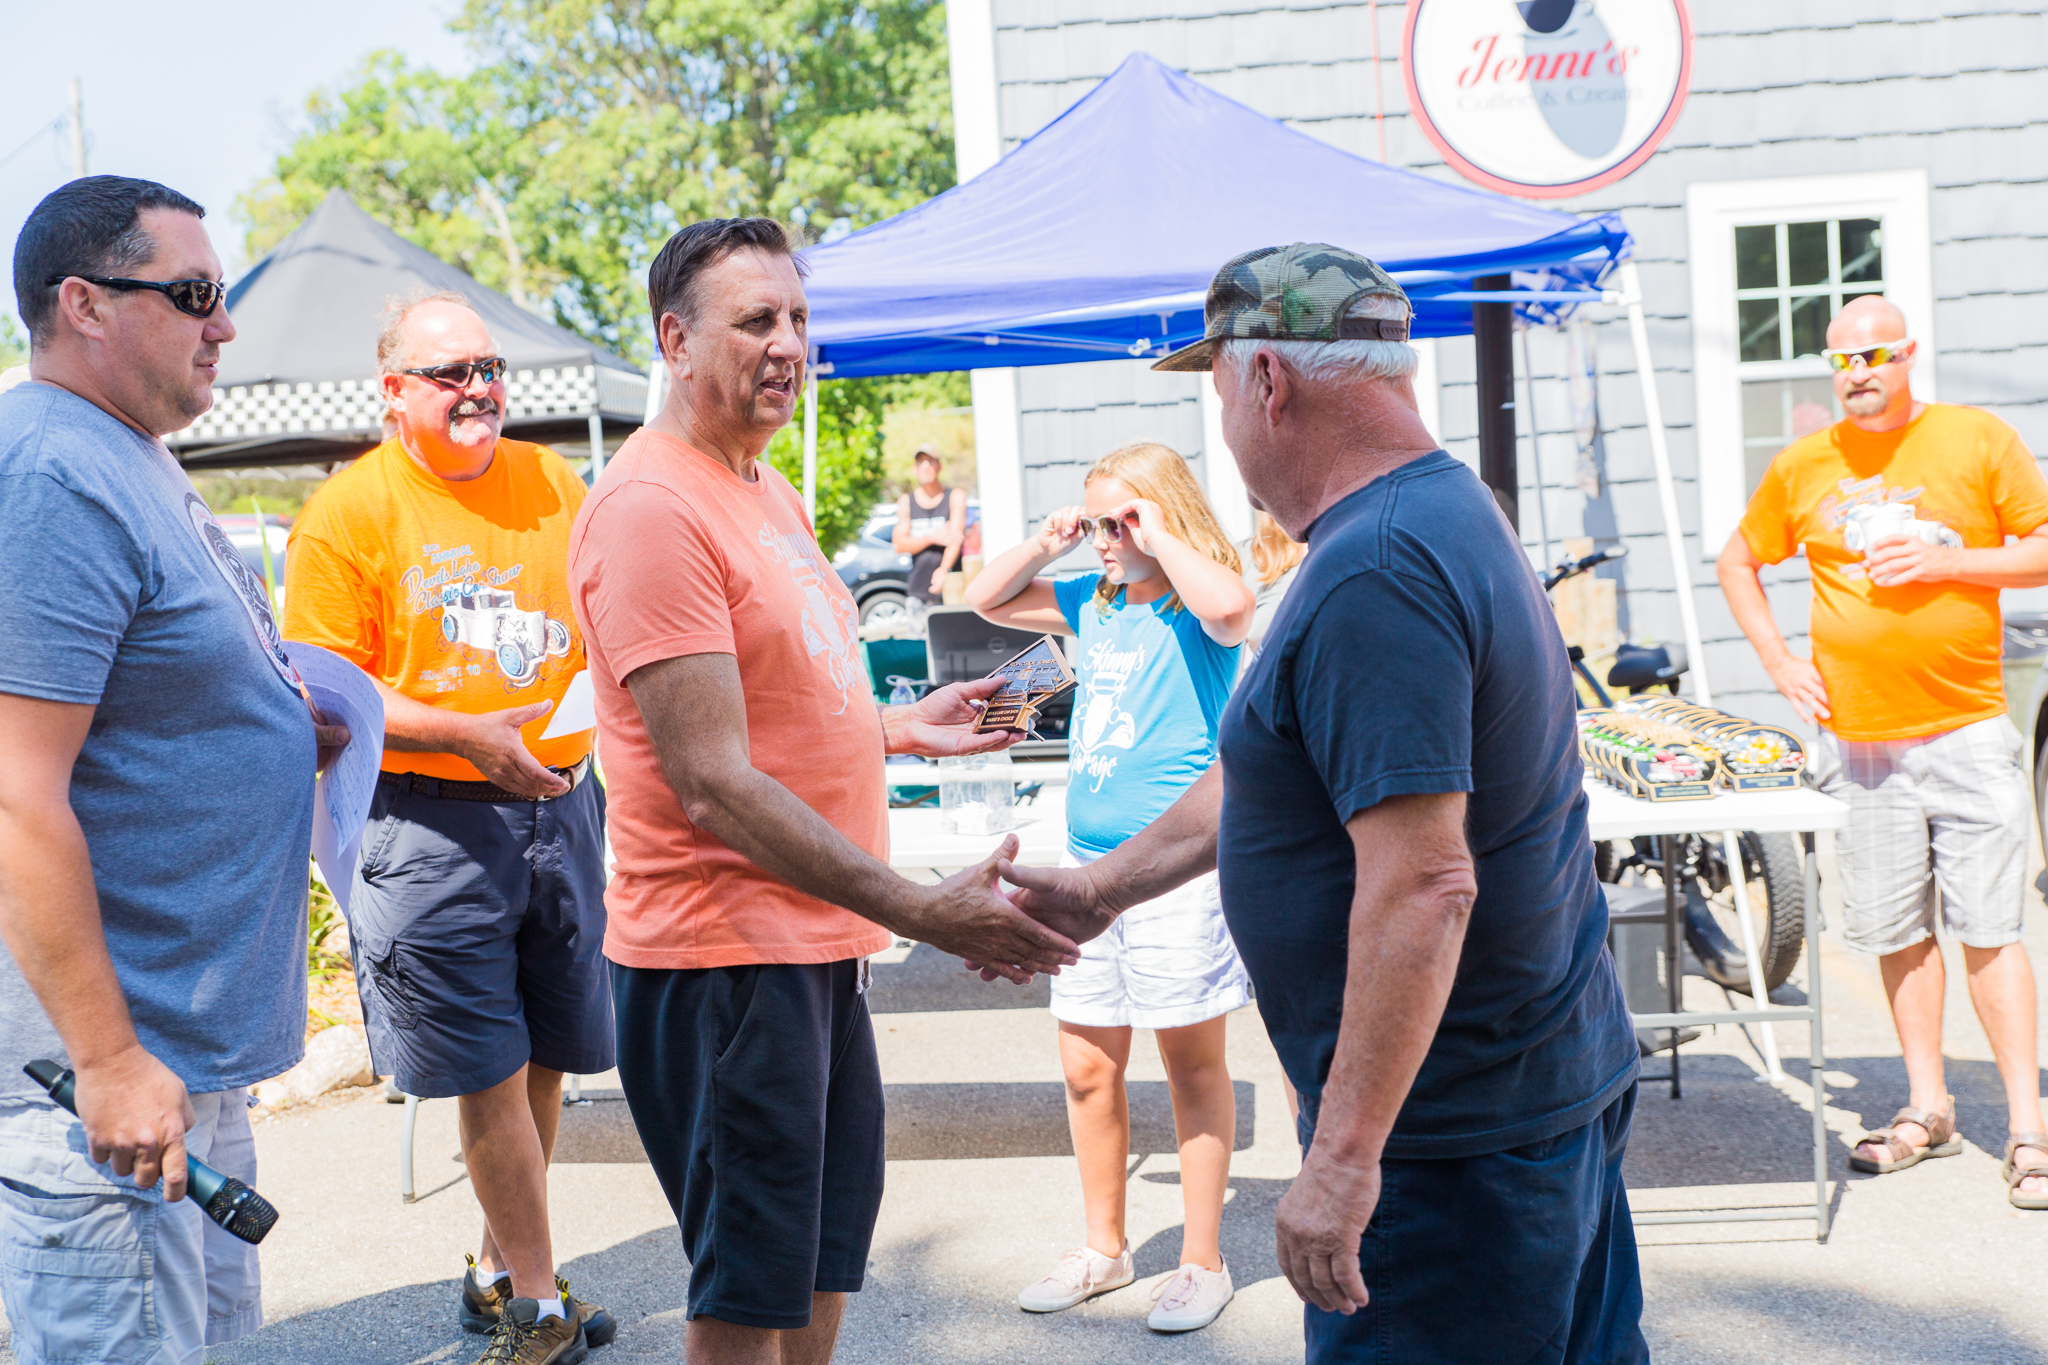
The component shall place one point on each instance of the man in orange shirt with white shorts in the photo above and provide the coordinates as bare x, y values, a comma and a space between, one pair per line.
438, 563
1904, 509
750, 818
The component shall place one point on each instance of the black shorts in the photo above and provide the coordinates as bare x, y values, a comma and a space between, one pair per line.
758, 1097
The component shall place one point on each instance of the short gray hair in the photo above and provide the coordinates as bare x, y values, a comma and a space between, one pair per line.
1321, 361
391, 340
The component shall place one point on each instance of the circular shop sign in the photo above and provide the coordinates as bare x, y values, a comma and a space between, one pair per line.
1546, 98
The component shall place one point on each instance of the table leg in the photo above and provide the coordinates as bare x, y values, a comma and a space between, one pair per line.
1674, 964
1816, 1048
1738, 882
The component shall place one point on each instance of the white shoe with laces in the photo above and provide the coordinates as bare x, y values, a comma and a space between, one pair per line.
1080, 1275
1190, 1298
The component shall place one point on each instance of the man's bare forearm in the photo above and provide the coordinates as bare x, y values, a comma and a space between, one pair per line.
1171, 851
413, 727
768, 824
1408, 916
1750, 607
2021, 565
50, 921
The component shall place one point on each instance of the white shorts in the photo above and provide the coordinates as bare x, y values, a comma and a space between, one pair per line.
1166, 963
1946, 812
92, 1268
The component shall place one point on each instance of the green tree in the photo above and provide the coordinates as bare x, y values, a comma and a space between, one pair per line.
14, 344
590, 130
849, 457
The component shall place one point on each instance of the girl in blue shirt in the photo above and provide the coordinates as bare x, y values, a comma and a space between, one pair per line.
1157, 635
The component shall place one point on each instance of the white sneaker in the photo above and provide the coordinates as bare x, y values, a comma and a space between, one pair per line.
1079, 1276
1190, 1298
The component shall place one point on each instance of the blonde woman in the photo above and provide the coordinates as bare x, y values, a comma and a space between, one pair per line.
1275, 558
1158, 634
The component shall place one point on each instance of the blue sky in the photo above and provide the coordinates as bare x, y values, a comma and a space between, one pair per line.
200, 96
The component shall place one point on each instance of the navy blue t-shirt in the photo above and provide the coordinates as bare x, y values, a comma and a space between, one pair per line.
1416, 654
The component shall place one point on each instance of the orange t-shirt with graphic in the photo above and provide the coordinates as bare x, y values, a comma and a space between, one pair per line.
673, 555
455, 594
1916, 658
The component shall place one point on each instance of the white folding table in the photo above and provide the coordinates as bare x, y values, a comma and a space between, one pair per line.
918, 839
1800, 811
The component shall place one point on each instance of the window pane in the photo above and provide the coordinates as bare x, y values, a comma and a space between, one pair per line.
1758, 324
1776, 412
1809, 324
1806, 248
1862, 250
1756, 257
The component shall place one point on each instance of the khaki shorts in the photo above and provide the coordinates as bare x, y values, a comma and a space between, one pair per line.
1942, 814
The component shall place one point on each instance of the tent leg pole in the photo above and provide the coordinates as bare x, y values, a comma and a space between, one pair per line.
1493, 353
596, 444
1667, 497
811, 446
1535, 453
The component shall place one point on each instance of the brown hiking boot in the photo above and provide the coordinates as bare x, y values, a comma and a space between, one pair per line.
599, 1326
524, 1337
481, 1307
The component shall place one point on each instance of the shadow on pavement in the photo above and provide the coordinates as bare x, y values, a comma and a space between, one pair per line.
955, 1121
1247, 1235
1796, 1321
931, 980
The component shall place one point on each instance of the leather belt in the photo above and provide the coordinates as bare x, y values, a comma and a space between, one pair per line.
449, 790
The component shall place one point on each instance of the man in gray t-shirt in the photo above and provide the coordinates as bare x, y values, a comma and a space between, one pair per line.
155, 805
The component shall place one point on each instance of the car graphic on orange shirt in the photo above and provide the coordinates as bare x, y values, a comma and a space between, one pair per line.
519, 641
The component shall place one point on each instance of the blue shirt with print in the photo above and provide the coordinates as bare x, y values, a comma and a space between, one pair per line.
1151, 696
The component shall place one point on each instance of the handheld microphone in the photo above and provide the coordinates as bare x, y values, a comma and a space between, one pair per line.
227, 1201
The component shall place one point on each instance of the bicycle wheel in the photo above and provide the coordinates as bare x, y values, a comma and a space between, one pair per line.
1777, 900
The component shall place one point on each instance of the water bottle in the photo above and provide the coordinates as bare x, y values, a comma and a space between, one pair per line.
902, 692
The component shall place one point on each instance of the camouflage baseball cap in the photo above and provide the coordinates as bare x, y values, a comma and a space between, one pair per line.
1291, 293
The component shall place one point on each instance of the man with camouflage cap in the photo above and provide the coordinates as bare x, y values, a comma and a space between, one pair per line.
1401, 830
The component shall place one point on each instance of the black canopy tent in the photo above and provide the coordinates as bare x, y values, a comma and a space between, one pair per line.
298, 384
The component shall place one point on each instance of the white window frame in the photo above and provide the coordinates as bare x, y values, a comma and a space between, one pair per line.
1713, 210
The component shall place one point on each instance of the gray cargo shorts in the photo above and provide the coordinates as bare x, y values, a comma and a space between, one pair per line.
1936, 814
92, 1268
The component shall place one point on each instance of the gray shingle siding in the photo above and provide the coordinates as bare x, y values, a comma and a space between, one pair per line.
1780, 88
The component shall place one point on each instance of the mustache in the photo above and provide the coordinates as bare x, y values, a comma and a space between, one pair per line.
472, 407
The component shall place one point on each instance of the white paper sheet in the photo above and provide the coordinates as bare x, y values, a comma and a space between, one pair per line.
577, 710
341, 798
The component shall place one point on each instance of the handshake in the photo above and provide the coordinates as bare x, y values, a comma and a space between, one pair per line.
1014, 934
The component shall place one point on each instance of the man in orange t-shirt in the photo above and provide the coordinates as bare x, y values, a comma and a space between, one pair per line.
1905, 509
439, 564
749, 817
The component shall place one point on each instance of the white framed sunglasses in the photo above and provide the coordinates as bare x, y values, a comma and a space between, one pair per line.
1870, 357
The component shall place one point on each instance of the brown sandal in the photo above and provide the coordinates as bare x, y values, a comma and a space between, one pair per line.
2015, 1174
1941, 1140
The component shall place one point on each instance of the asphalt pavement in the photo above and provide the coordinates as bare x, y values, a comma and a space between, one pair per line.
1929, 1264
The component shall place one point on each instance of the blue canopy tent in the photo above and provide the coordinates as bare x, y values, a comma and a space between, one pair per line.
1096, 238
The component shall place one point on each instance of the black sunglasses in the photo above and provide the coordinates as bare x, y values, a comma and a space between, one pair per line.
458, 374
196, 297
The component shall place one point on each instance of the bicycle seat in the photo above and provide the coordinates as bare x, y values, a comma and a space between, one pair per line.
1642, 667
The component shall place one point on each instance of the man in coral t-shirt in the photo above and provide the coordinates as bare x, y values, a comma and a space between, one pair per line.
438, 563
1905, 509
749, 817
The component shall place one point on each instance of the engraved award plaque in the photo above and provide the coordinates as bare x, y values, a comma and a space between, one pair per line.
1030, 680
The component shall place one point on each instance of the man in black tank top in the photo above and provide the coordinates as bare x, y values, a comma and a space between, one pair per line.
931, 524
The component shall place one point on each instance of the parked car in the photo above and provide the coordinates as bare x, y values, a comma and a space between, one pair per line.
872, 571
2026, 695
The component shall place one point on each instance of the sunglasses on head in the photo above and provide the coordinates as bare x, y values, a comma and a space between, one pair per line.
197, 297
458, 374
1108, 528
1870, 357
